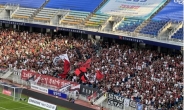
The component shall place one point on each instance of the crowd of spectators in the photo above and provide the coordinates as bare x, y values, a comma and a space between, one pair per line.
152, 78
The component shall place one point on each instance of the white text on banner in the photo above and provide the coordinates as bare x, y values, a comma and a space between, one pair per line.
41, 104
39, 88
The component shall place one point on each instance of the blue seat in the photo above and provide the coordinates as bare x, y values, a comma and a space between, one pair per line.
153, 27
178, 34
172, 11
24, 3
79, 5
130, 24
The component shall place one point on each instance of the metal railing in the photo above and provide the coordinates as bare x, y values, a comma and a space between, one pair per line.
163, 27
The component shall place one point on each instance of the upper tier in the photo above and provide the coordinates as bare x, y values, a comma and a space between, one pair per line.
172, 11
24, 3
78, 5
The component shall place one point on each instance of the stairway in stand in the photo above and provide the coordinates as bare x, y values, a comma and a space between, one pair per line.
38, 10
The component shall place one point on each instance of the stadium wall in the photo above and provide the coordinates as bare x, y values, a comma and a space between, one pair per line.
54, 100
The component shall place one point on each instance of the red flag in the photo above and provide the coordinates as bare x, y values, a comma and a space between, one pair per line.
83, 69
66, 66
77, 72
99, 75
87, 63
66, 69
83, 78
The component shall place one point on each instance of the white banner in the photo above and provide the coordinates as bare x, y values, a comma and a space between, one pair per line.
65, 89
60, 57
17, 72
41, 104
39, 88
126, 102
131, 8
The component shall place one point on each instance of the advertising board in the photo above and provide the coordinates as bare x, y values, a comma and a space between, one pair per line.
41, 104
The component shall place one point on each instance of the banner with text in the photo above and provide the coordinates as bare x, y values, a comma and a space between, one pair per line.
131, 8
65, 89
41, 104
87, 91
17, 72
116, 101
133, 104
120, 102
57, 93
6, 92
39, 88
45, 79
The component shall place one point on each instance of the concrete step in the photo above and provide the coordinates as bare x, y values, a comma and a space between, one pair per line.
100, 100
6, 75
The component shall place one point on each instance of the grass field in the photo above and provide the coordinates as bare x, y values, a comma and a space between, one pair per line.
7, 103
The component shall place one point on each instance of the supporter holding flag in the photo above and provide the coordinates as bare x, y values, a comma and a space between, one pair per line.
99, 75
77, 72
83, 69
60, 57
86, 64
66, 68
84, 78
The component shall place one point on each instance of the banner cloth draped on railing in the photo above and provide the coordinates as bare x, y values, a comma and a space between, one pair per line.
45, 79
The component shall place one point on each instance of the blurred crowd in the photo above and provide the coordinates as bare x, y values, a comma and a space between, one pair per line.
151, 78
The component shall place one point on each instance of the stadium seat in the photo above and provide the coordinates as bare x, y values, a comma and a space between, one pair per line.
46, 14
96, 20
19, 16
153, 27
75, 16
78, 5
172, 11
24, 3
178, 34
23, 13
130, 24
41, 19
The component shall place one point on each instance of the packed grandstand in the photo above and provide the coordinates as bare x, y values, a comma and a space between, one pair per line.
150, 77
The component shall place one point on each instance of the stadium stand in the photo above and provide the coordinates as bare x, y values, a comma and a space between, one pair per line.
24, 3
172, 12
78, 5
23, 13
74, 17
96, 20
130, 24
153, 27
144, 76
46, 14
178, 34
134, 12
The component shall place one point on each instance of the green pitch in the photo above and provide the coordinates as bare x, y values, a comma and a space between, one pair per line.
7, 103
